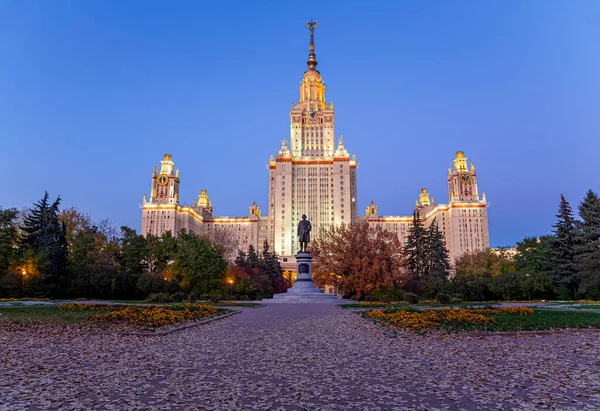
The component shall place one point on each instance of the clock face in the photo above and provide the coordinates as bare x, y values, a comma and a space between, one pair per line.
312, 114
465, 177
163, 179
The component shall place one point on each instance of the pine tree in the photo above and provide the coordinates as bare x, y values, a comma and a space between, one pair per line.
241, 258
270, 263
46, 237
438, 265
252, 257
562, 250
416, 251
8, 235
587, 257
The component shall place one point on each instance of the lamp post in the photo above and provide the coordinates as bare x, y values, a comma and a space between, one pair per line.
22, 278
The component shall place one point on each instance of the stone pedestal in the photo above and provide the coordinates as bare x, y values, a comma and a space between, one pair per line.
304, 290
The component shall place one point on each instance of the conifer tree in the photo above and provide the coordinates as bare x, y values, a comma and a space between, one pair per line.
8, 234
416, 252
252, 258
45, 236
562, 250
587, 256
438, 265
241, 258
270, 263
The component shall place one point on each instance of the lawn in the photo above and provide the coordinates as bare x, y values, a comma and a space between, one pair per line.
403, 304
586, 307
42, 315
499, 319
545, 320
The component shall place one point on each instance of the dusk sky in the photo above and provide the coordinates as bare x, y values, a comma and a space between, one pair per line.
93, 93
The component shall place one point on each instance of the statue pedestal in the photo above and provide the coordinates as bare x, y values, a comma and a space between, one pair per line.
304, 290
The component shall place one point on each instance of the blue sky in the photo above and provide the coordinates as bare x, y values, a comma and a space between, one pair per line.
93, 93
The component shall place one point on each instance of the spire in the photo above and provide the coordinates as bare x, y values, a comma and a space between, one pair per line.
312, 58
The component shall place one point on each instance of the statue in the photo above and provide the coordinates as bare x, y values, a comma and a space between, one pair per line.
304, 228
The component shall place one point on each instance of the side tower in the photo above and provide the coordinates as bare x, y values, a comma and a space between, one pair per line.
159, 213
165, 184
310, 176
467, 230
462, 182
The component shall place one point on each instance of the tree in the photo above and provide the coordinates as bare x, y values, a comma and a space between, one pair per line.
45, 236
8, 237
132, 257
416, 252
200, 264
241, 258
252, 259
587, 256
227, 240
475, 273
532, 254
161, 251
562, 250
437, 266
358, 259
270, 264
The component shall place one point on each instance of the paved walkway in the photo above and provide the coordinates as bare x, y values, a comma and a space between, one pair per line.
296, 357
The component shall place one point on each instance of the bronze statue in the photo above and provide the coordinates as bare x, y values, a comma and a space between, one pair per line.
304, 228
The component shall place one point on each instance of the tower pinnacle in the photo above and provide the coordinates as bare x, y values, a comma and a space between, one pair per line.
312, 58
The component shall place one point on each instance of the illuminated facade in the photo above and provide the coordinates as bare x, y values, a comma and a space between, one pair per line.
463, 220
313, 175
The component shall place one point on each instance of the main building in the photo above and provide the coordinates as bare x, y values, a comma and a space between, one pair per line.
313, 175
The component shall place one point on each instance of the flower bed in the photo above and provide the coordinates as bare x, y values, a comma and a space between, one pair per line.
452, 318
88, 307
147, 316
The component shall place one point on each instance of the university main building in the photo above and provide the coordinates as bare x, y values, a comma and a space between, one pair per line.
313, 175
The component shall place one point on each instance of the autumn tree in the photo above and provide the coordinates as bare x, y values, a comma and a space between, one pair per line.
358, 259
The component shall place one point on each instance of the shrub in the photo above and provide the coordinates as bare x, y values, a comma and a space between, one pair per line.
443, 298
456, 300
193, 297
216, 298
411, 298
177, 297
158, 298
386, 295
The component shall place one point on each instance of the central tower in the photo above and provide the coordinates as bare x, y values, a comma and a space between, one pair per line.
312, 119
310, 176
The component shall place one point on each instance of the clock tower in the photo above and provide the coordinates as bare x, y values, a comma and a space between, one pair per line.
462, 182
165, 183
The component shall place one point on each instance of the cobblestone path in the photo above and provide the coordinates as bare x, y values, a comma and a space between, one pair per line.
297, 357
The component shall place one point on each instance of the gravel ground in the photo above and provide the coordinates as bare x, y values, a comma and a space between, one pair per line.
296, 357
